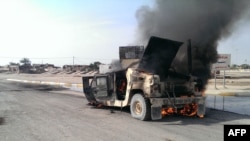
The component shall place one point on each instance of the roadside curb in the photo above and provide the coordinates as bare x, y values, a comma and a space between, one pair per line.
67, 85
239, 93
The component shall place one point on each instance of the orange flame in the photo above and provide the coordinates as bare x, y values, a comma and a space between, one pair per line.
187, 110
167, 111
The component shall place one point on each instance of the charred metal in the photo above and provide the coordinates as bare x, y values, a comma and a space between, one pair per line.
150, 85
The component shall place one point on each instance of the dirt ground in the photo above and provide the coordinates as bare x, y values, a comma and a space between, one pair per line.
62, 78
241, 80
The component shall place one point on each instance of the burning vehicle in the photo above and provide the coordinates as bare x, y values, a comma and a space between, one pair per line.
152, 88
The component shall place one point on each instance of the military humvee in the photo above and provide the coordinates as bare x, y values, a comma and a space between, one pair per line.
152, 88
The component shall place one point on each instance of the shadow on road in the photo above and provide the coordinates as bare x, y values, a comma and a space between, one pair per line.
111, 108
2, 120
40, 87
212, 117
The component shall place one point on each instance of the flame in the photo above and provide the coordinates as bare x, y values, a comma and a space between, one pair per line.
201, 116
167, 111
187, 110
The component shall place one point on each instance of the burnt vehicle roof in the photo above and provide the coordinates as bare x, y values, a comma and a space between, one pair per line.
112, 72
158, 55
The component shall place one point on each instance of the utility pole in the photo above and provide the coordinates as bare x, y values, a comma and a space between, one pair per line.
73, 60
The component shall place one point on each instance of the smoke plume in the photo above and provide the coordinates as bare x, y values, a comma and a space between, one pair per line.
205, 22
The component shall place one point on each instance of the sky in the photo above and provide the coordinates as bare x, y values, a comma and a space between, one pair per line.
83, 31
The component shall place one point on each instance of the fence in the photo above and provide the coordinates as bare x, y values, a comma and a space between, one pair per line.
235, 104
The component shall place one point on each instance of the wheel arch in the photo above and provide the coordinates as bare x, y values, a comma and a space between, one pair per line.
133, 92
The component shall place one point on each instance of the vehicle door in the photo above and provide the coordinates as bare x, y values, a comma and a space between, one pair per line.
100, 86
87, 90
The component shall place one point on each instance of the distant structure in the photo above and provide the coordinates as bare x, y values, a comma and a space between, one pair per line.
130, 55
13, 68
74, 68
28, 68
41, 68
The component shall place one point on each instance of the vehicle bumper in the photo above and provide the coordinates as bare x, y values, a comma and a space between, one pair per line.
177, 101
158, 103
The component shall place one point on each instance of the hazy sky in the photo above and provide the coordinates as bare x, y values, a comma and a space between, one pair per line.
55, 31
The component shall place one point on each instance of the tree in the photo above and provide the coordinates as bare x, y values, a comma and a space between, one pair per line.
234, 66
12, 63
245, 66
95, 65
25, 61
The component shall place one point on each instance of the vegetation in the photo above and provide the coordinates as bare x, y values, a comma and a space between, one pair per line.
12, 63
243, 66
95, 65
25, 62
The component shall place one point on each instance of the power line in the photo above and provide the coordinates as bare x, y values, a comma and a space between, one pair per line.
57, 58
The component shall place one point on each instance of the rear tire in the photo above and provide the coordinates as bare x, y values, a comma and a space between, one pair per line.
140, 108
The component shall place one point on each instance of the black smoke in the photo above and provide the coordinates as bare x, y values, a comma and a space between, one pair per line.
205, 22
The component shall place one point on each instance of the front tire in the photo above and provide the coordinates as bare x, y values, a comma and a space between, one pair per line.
140, 108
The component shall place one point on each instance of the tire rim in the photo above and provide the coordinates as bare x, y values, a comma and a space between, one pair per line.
138, 107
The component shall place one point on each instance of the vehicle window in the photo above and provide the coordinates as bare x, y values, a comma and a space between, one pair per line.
101, 81
93, 84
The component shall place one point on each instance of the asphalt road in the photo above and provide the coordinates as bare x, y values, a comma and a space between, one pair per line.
46, 113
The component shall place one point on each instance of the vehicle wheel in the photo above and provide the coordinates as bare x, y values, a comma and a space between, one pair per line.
140, 108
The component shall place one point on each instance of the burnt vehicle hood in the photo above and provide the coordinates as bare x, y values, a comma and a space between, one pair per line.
159, 55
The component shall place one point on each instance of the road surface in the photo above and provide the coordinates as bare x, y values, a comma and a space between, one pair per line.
45, 113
